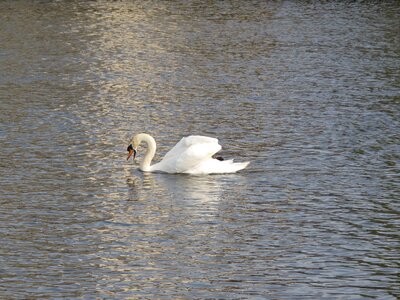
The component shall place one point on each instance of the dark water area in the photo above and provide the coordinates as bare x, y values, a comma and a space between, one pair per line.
309, 92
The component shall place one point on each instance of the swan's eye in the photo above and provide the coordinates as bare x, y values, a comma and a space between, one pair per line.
129, 148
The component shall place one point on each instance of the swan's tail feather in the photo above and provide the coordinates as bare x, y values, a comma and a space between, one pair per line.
214, 166
228, 166
240, 166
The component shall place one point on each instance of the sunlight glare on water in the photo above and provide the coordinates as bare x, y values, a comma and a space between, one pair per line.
306, 91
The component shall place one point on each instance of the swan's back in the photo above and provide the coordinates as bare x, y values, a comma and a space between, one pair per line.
186, 142
193, 155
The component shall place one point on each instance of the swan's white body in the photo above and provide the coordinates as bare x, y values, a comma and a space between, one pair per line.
191, 155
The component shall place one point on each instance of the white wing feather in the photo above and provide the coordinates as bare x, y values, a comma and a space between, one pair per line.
188, 153
186, 142
193, 155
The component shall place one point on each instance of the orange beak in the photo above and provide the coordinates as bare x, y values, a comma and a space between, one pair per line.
131, 152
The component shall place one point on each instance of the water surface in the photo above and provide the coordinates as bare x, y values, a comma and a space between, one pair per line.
308, 92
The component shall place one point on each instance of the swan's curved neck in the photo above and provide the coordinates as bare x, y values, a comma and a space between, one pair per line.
151, 151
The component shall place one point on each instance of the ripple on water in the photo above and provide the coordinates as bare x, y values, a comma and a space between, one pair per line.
308, 93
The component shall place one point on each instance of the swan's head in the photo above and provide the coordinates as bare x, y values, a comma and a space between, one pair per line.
132, 151
137, 139
132, 148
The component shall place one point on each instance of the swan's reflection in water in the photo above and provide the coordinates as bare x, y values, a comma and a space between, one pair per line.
166, 219
177, 190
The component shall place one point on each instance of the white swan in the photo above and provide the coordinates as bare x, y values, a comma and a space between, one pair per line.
191, 155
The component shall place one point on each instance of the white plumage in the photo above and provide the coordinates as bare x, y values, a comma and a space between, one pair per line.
191, 155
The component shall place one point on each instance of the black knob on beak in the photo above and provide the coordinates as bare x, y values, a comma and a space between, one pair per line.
131, 151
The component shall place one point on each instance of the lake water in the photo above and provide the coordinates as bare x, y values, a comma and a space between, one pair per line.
308, 92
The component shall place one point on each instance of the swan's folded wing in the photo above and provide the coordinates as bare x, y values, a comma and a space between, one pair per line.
185, 143
199, 139
195, 155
